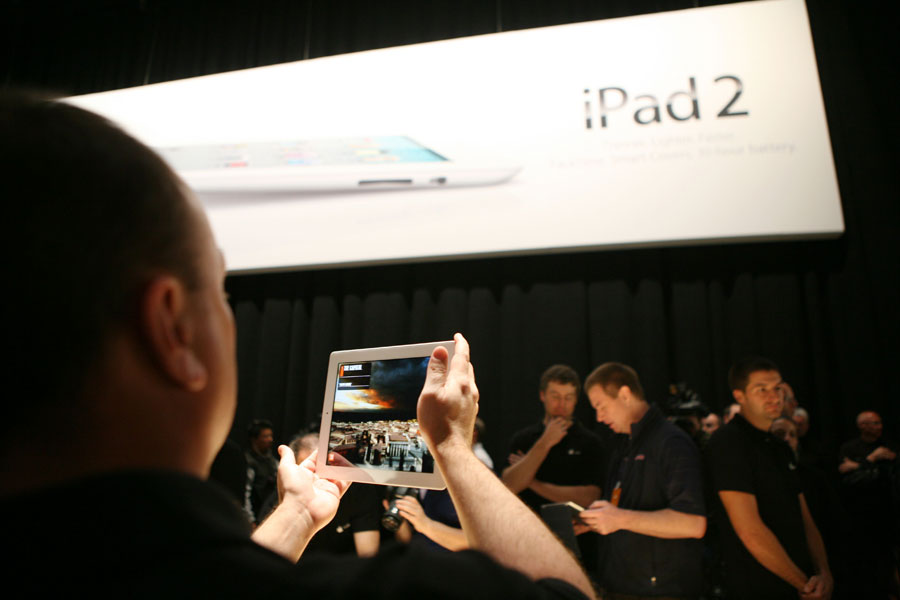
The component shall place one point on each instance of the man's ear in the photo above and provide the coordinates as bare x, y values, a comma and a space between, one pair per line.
168, 330
624, 393
738, 396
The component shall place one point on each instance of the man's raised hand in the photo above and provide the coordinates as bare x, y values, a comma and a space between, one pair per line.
448, 403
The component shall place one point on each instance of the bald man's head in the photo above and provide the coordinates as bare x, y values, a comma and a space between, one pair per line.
869, 424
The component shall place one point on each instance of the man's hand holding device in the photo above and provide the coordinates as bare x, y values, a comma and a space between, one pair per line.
315, 496
448, 404
446, 408
307, 502
603, 517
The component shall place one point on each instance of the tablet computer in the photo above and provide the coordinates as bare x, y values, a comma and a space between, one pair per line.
369, 417
326, 165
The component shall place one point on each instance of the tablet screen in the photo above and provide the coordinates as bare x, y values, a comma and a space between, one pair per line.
373, 423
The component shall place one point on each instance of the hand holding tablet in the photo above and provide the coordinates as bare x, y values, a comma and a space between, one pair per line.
449, 401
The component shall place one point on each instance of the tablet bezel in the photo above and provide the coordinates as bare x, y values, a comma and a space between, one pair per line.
432, 481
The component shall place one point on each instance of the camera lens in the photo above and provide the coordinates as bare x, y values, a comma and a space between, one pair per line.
391, 519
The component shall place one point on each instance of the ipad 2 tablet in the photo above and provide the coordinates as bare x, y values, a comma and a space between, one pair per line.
369, 417
326, 165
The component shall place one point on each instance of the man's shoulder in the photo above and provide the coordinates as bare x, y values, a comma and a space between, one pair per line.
144, 528
672, 439
730, 435
400, 571
536, 427
728, 449
530, 432
855, 449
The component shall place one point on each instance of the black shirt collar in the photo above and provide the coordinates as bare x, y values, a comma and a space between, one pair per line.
650, 417
741, 423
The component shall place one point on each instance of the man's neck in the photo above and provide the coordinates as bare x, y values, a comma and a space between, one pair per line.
761, 423
637, 413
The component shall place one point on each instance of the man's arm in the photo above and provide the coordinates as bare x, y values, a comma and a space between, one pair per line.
606, 518
822, 584
366, 542
451, 538
494, 519
881, 453
308, 503
759, 540
519, 475
582, 495
847, 465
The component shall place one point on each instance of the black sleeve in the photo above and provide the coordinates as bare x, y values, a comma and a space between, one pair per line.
684, 481
598, 459
845, 452
367, 509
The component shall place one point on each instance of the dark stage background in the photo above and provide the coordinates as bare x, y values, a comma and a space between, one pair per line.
826, 311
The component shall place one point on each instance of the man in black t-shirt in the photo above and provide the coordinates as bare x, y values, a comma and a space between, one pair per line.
770, 544
558, 459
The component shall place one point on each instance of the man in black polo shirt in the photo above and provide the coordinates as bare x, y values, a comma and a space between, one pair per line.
770, 544
652, 512
558, 459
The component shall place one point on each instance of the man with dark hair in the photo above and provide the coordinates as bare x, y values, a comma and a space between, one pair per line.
770, 544
262, 467
652, 513
132, 390
558, 459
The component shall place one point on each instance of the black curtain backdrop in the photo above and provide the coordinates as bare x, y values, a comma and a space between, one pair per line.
825, 311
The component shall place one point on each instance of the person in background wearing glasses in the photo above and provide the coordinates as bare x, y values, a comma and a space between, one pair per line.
770, 543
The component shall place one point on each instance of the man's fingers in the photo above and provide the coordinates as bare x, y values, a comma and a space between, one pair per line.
342, 485
436, 373
287, 456
462, 347
459, 364
338, 460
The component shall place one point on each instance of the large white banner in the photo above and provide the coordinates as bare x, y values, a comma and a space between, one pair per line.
680, 127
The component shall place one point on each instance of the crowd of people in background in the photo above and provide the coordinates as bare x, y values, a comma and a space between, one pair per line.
675, 500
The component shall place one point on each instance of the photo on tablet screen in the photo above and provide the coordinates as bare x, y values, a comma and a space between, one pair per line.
374, 424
